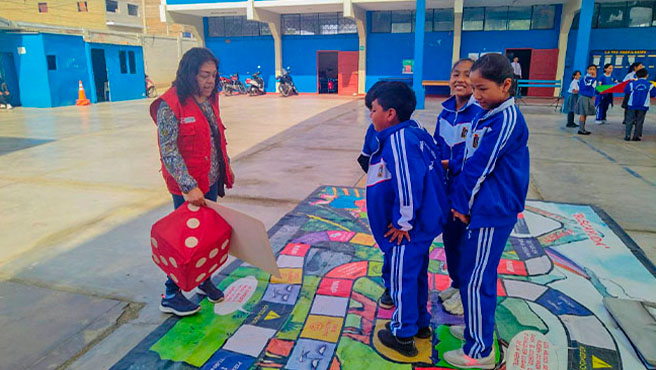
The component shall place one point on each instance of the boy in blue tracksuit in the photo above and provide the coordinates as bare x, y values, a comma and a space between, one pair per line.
488, 194
406, 207
639, 92
453, 125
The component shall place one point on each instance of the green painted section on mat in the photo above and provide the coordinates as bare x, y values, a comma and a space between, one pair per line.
375, 269
368, 288
447, 342
368, 253
294, 325
510, 255
352, 353
434, 266
180, 344
514, 315
353, 320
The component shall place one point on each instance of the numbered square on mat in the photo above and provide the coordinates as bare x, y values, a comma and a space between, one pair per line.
322, 328
311, 354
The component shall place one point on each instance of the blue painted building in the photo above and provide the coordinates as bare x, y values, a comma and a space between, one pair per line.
318, 41
44, 69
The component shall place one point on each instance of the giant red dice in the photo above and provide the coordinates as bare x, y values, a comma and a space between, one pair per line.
190, 244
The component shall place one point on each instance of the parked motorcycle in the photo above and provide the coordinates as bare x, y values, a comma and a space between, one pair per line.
255, 84
237, 85
224, 83
286, 86
151, 91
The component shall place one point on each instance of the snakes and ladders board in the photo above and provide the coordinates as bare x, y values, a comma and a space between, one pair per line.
322, 312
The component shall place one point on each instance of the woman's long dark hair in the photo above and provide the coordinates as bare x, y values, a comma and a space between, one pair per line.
185, 78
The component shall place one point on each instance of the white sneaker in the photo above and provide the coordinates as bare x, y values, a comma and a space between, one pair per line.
453, 305
458, 331
9, 106
447, 293
2, 106
599, 122
459, 359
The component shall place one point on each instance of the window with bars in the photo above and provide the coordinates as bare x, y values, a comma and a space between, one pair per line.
235, 26
82, 6
404, 21
317, 24
537, 17
622, 14
43, 7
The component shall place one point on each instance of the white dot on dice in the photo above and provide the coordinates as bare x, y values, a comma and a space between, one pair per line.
191, 242
225, 257
164, 260
173, 262
214, 267
200, 277
192, 207
154, 242
174, 278
201, 262
193, 223
214, 252
225, 244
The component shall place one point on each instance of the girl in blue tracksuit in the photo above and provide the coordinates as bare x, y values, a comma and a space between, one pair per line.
407, 207
453, 125
488, 194
603, 101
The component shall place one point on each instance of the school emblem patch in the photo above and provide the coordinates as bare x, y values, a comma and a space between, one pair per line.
475, 141
464, 132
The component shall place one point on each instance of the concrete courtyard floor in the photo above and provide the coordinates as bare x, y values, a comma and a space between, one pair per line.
81, 188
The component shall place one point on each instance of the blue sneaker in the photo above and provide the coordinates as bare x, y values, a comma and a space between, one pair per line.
178, 305
214, 294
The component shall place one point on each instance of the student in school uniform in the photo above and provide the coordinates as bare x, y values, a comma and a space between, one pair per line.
572, 98
603, 101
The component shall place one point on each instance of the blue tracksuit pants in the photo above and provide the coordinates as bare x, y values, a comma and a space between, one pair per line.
409, 288
386, 270
602, 102
483, 248
452, 237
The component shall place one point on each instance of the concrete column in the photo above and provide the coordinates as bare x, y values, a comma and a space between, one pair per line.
418, 72
583, 35
457, 30
569, 11
273, 20
360, 17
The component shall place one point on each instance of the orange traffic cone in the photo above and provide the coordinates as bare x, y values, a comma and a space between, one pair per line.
82, 96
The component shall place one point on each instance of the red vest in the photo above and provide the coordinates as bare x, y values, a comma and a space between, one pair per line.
194, 140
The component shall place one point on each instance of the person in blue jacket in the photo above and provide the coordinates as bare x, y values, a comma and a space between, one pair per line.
453, 125
639, 91
487, 194
585, 106
407, 207
603, 101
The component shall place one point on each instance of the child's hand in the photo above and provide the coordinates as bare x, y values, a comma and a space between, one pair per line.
463, 218
396, 234
445, 164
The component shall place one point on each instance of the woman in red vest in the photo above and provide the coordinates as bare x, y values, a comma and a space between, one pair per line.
192, 146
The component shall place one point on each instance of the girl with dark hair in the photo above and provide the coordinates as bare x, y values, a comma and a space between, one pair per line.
192, 146
603, 101
635, 66
453, 125
487, 195
572, 98
585, 106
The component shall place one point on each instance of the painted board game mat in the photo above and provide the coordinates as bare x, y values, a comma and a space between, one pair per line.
559, 263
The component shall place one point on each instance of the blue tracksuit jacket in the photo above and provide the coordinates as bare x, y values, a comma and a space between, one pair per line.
493, 182
451, 132
587, 86
641, 90
406, 185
